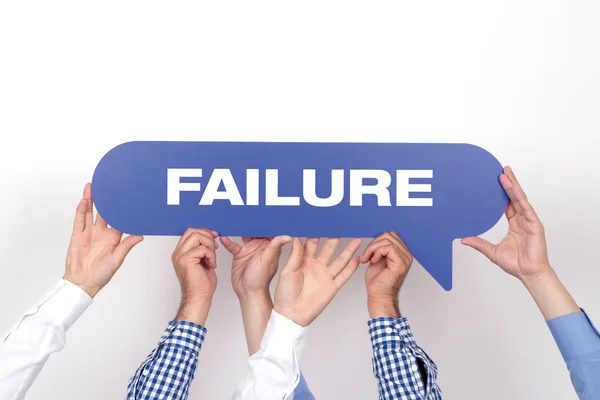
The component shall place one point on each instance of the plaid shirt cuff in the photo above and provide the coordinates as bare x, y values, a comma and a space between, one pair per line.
186, 335
169, 369
390, 331
396, 358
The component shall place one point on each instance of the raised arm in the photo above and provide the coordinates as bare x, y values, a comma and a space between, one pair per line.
95, 254
170, 368
402, 368
255, 263
306, 286
522, 253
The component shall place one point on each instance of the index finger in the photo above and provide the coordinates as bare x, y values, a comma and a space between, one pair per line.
205, 232
392, 237
343, 259
401, 245
508, 171
80, 213
196, 239
328, 250
517, 196
89, 212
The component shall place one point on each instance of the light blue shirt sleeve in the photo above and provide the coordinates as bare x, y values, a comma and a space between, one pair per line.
579, 344
302, 392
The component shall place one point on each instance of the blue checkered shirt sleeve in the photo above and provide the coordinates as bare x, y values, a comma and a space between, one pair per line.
169, 370
396, 365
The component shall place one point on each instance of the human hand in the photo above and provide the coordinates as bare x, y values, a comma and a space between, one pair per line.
255, 263
96, 251
254, 266
522, 253
307, 284
195, 261
390, 261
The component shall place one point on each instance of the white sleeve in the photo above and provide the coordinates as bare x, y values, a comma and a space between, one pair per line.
274, 371
39, 333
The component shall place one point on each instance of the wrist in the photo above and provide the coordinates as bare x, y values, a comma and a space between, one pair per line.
296, 318
89, 290
256, 304
552, 298
255, 295
540, 279
386, 306
194, 310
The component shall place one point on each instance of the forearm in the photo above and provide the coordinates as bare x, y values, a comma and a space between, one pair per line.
575, 336
383, 306
397, 359
256, 310
274, 371
170, 368
550, 295
39, 333
194, 310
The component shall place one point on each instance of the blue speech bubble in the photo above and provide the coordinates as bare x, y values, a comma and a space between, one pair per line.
430, 194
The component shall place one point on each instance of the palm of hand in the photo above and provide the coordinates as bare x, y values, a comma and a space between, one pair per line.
252, 269
92, 250
522, 252
307, 290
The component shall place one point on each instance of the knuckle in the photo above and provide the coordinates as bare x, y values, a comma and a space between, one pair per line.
387, 236
343, 258
195, 234
540, 228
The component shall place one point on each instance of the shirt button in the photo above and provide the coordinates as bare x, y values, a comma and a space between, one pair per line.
414, 368
389, 331
145, 373
403, 332
178, 332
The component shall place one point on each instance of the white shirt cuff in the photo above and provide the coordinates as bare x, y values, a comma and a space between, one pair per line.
64, 304
274, 371
280, 332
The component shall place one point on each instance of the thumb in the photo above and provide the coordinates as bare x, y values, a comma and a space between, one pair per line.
125, 247
294, 261
481, 245
273, 250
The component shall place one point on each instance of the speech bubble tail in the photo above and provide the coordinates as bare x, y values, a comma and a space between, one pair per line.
437, 260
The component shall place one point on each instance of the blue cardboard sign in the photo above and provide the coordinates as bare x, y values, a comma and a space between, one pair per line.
430, 194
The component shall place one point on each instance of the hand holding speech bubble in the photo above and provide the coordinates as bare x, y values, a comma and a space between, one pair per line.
431, 194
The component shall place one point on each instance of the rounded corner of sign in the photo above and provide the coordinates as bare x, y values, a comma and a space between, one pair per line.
115, 149
478, 148
124, 144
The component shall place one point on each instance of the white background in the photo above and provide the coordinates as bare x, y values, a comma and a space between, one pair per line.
519, 78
